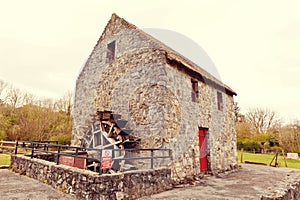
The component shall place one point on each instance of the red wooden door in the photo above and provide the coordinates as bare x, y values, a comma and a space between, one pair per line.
203, 149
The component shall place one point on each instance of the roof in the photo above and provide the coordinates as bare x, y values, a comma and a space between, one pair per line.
117, 24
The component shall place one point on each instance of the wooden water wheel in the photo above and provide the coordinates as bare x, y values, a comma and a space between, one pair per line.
108, 132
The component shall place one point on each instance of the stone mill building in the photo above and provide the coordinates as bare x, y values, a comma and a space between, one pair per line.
168, 101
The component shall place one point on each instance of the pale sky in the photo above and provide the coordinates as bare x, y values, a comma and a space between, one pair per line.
254, 45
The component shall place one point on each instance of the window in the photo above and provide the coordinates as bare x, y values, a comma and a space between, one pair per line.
220, 101
111, 50
195, 92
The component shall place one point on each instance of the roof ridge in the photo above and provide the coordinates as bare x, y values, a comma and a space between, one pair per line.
114, 18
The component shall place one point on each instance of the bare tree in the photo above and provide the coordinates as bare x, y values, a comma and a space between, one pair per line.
45, 103
289, 137
28, 98
262, 120
65, 103
3, 85
14, 97
236, 111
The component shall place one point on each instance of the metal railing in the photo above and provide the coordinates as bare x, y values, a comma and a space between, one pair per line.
37, 148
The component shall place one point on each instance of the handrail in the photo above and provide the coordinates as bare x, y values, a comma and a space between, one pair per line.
38, 147
7, 142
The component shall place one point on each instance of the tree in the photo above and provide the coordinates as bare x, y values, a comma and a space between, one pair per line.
14, 97
65, 103
262, 120
289, 137
3, 86
24, 117
28, 98
243, 130
236, 111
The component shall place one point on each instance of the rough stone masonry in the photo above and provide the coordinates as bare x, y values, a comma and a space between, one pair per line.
150, 85
85, 184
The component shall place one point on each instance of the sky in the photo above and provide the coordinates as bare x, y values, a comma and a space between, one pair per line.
254, 45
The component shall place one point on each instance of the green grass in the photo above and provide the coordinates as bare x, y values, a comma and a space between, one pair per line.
4, 159
267, 158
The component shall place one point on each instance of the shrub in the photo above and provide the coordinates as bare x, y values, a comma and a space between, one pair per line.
3, 135
249, 145
62, 139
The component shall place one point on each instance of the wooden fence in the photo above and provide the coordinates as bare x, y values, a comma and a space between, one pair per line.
7, 146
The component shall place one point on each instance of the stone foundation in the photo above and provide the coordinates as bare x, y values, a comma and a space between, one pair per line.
86, 184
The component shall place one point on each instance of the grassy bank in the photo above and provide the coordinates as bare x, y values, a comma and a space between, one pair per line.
267, 158
4, 159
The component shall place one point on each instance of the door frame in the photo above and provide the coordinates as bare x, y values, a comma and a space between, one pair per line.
203, 136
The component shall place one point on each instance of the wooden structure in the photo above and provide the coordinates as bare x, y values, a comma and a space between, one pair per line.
74, 161
7, 146
275, 159
108, 132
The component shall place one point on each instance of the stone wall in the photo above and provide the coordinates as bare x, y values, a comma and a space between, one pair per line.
222, 154
287, 189
128, 41
85, 184
155, 97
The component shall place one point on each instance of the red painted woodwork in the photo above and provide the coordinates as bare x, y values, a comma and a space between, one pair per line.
72, 161
203, 149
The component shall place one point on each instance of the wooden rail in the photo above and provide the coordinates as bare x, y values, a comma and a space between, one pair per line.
7, 146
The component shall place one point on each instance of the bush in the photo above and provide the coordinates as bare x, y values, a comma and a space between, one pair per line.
63, 140
249, 145
3, 135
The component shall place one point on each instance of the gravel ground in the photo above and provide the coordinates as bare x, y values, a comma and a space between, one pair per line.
17, 187
250, 182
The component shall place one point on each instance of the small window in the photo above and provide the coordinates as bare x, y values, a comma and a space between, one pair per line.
220, 101
111, 51
195, 91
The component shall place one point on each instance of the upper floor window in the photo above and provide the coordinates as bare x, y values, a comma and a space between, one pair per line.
220, 101
195, 91
111, 52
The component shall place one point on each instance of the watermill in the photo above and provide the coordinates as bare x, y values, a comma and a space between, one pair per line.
108, 131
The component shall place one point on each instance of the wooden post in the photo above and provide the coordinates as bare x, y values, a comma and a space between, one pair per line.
284, 158
58, 155
16, 150
242, 150
276, 159
32, 150
272, 160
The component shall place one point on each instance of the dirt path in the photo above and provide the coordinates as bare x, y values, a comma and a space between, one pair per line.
248, 183
18, 187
